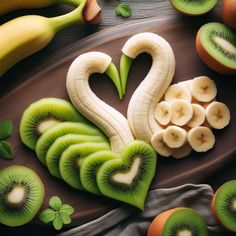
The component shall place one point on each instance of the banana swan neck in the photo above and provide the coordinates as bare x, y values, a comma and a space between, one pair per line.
154, 85
112, 122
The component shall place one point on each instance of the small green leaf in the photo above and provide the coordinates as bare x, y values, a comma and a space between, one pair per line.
57, 222
65, 218
55, 203
123, 10
67, 209
6, 150
47, 215
6, 129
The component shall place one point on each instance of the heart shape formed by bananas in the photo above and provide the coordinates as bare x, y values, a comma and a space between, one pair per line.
126, 178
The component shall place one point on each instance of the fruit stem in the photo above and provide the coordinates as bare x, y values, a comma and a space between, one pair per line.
73, 17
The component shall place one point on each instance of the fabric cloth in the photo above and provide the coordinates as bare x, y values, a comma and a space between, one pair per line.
127, 221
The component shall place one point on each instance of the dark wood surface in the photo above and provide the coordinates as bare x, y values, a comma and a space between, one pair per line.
141, 10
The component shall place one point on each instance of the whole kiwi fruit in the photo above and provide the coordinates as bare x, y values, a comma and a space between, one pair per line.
229, 12
21, 195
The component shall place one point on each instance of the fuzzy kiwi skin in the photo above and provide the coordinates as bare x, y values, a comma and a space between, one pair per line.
229, 12
36, 192
186, 13
209, 60
214, 210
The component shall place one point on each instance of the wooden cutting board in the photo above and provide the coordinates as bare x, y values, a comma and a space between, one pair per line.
48, 80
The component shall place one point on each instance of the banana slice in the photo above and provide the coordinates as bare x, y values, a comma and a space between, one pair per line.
175, 136
159, 145
203, 89
186, 83
201, 139
178, 91
198, 116
217, 115
181, 152
163, 113
181, 112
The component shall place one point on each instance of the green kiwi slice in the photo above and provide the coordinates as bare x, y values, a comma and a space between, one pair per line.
21, 195
219, 41
128, 178
193, 7
90, 167
72, 159
44, 113
61, 129
55, 151
225, 205
185, 221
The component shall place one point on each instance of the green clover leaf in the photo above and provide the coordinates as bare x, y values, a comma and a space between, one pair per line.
67, 209
6, 129
55, 203
65, 218
123, 10
6, 150
47, 215
57, 222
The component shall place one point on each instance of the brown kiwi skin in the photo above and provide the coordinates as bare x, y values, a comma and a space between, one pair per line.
229, 13
210, 61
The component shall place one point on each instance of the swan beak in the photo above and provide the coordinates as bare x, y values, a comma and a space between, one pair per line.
125, 65
113, 74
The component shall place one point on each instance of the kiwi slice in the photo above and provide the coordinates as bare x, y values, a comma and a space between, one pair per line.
128, 178
21, 195
61, 129
178, 222
224, 205
73, 157
193, 7
90, 167
55, 151
216, 46
44, 113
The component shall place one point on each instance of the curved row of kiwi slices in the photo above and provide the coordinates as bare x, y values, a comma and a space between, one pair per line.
21, 195
77, 156
45, 113
56, 150
49, 137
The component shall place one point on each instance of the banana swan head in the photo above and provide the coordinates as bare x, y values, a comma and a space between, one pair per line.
154, 85
112, 122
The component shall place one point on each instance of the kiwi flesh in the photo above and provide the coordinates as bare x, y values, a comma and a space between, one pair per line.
73, 158
216, 46
128, 178
50, 135
224, 205
44, 113
55, 151
21, 195
90, 167
193, 7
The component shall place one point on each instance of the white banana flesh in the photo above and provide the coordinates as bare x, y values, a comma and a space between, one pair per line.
203, 89
201, 139
181, 112
198, 117
143, 102
217, 115
178, 91
174, 136
113, 123
159, 145
181, 152
163, 113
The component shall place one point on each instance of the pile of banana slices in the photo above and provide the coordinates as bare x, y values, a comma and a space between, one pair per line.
187, 114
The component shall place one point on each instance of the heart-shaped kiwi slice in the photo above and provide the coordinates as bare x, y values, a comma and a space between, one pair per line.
128, 178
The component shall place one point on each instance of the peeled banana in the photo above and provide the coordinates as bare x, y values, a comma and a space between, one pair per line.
23, 36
